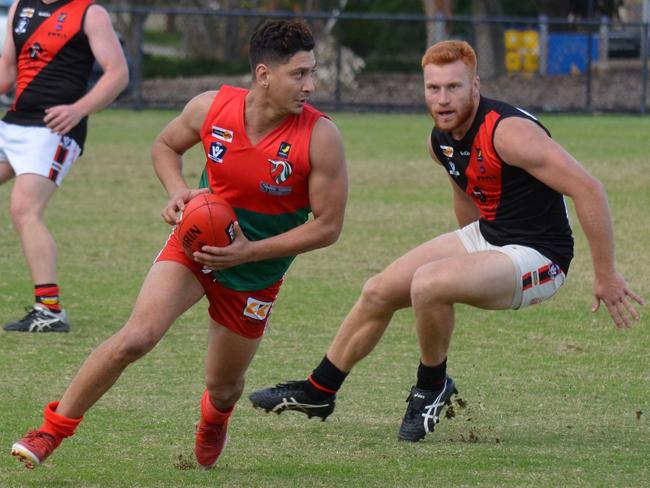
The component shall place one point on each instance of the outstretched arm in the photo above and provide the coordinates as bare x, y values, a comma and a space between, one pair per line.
108, 53
522, 143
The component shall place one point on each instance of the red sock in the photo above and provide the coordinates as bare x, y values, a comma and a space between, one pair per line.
211, 414
48, 295
57, 425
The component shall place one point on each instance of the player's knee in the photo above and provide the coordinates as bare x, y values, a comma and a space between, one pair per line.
224, 393
130, 346
376, 294
426, 287
20, 214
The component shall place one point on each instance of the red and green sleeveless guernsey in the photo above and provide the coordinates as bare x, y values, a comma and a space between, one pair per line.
54, 60
266, 183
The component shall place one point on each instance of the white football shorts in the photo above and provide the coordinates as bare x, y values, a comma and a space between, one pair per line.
538, 278
37, 150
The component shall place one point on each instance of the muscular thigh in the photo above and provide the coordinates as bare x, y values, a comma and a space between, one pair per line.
397, 277
167, 292
31, 192
485, 279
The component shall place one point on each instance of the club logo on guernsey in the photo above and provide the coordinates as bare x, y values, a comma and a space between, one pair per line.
447, 151
217, 152
222, 134
280, 170
283, 152
256, 309
34, 50
27, 12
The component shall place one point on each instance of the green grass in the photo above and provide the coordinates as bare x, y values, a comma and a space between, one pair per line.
552, 391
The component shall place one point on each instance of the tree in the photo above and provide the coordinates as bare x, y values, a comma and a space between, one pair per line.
488, 39
437, 31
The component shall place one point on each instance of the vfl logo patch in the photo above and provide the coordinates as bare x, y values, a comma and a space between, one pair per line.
217, 152
283, 152
452, 169
256, 309
21, 28
280, 170
447, 151
222, 134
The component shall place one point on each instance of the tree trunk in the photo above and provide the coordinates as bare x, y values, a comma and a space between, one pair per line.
437, 30
488, 39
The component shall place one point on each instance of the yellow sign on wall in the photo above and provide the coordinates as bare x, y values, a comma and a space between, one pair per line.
522, 51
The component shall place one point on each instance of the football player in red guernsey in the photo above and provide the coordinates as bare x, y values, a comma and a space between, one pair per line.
49, 52
275, 159
513, 248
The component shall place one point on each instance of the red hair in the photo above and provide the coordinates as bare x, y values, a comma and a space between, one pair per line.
447, 52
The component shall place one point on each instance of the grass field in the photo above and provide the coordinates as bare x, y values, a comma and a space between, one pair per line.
555, 395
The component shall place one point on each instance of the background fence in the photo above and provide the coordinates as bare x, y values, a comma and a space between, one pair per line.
372, 61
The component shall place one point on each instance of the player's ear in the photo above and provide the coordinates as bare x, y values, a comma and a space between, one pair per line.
262, 75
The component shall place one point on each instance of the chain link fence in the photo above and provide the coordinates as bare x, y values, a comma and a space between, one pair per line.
371, 62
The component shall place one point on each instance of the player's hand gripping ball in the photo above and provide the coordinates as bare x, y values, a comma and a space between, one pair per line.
207, 220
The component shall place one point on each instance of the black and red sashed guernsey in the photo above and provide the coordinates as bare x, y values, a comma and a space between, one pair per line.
54, 60
515, 207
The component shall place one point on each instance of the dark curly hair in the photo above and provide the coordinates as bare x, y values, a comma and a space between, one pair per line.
275, 41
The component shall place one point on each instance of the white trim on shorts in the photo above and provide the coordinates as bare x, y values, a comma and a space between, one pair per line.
538, 278
37, 150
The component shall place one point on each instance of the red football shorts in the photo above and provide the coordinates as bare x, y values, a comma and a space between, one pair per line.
243, 312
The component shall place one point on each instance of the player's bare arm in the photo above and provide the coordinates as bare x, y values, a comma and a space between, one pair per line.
8, 66
108, 53
167, 151
464, 207
328, 186
522, 143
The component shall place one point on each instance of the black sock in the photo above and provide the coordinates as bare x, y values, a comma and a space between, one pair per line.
432, 377
324, 381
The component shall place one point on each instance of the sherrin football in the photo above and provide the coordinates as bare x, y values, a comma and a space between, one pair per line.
207, 220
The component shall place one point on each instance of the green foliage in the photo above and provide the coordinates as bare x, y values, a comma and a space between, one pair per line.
555, 395
171, 67
163, 37
371, 39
